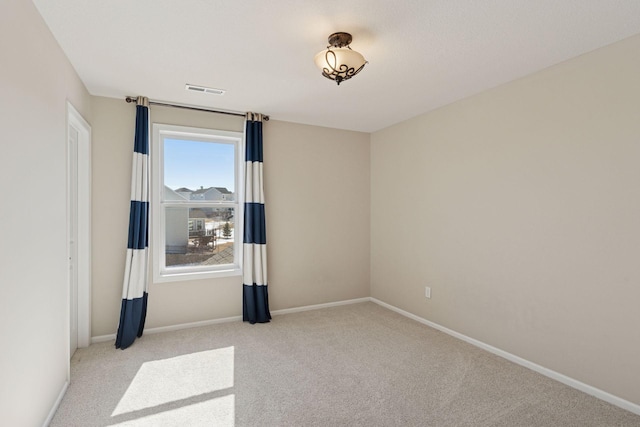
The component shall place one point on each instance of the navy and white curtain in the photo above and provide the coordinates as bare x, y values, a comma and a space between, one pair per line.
255, 295
134, 291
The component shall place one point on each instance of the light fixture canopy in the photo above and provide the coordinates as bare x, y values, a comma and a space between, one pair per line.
338, 61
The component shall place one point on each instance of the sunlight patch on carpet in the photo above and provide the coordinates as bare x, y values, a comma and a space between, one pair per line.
179, 378
217, 412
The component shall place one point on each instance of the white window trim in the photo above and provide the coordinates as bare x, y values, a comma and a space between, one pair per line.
161, 273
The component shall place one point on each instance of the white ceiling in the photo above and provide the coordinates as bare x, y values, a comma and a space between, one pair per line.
422, 54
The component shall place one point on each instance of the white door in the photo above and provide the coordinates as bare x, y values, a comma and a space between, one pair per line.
73, 238
79, 228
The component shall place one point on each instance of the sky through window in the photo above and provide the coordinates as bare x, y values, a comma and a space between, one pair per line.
195, 164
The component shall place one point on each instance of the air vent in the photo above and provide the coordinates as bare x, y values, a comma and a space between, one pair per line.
202, 89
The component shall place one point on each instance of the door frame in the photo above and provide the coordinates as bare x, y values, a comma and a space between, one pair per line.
83, 218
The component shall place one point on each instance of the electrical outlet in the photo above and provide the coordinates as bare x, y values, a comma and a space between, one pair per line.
427, 292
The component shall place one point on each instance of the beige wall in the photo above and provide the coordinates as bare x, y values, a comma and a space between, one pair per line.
520, 208
36, 80
317, 189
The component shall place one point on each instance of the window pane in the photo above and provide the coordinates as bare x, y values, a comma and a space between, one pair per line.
195, 170
196, 175
199, 236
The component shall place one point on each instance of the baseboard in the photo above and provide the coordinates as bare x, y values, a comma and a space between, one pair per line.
112, 337
191, 325
56, 404
103, 338
586, 388
319, 306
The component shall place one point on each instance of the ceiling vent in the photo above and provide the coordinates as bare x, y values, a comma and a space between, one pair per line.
202, 89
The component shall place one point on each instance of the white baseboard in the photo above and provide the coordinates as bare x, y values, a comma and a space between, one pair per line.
103, 338
191, 325
319, 306
112, 337
56, 404
586, 388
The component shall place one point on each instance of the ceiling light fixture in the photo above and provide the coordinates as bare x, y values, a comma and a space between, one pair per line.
338, 61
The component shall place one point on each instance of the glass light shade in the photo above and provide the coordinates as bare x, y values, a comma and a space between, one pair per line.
339, 63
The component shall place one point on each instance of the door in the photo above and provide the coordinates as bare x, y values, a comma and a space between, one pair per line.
73, 238
79, 228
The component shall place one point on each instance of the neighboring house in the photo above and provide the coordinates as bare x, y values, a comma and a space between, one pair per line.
197, 219
215, 194
176, 220
212, 193
184, 192
183, 223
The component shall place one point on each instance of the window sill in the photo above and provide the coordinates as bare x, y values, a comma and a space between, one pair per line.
168, 277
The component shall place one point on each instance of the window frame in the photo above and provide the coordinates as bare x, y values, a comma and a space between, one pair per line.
162, 273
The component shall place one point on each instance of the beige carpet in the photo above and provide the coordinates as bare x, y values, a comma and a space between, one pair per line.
355, 365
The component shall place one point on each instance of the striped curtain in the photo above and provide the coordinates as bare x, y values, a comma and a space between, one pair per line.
255, 296
134, 291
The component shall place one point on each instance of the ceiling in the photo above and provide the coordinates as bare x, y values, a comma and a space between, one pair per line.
422, 54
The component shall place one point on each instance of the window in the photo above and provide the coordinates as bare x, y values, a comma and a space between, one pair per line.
197, 223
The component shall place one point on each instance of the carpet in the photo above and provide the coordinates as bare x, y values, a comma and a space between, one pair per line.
353, 365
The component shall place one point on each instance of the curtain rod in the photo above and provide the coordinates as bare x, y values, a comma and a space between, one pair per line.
133, 99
